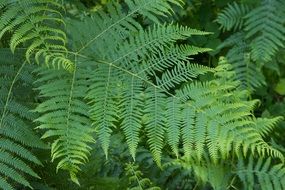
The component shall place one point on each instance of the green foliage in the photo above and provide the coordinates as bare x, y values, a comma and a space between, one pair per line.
249, 74
265, 26
259, 38
17, 137
36, 25
65, 115
280, 87
135, 177
139, 103
232, 17
268, 176
128, 85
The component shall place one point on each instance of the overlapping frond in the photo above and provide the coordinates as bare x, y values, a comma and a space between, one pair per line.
118, 50
37, 26
17, 136
262, 173
132, 74
239, 56
115, 24
218, 121
65, 117
260, 36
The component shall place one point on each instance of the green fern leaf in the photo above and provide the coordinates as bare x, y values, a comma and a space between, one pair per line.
35, 23
264, 125
132, 104
181, 73
232, 17
173, 122
267, 28
155, 121
65, 117
168, 57
104, 107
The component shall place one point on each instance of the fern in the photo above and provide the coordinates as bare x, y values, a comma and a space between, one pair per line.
181, 73
35, 25
265, 125
219, 121
232, 17
174, 118
102, 94
65, 117
261, 172
260, 36
139, 68
169, 57
132, 77
266, 26
135, 178
132, 103
124, 59
17, 138
155, 121
116, 20
249, 74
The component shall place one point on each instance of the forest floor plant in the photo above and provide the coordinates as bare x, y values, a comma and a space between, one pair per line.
123, 71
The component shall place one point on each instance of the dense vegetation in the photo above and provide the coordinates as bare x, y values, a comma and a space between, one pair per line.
142, 94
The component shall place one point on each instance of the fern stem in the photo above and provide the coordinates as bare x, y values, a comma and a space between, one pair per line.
231, 183
69, 106
10, 92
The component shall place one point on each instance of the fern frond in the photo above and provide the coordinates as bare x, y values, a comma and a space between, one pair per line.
155, 121
132, 103
219, 121
136, 180
173, 122
264, 125
102, 94
170, 56
65, 117
153, 9
115, 58
246, 71
181, 73
129, 88
232, 17
35, 25
115, 21
267, 29
263, 173
151, 41
15, 121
